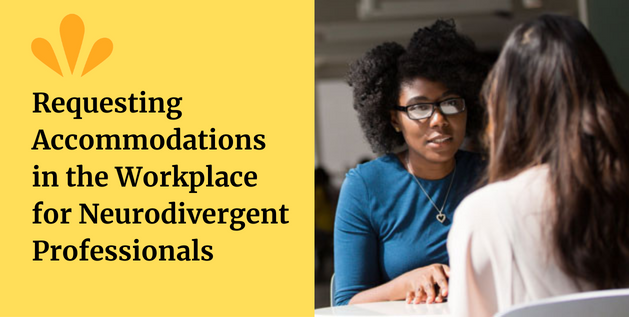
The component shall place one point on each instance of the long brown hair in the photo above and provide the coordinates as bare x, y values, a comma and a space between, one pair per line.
553, 99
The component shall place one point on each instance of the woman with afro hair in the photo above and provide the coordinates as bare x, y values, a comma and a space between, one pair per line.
415, 106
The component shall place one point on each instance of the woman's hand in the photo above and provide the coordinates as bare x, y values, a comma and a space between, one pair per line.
427, 284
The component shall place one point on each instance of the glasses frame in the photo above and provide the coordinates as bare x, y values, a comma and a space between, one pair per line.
434, 105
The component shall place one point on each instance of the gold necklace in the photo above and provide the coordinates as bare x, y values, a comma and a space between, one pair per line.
441, 217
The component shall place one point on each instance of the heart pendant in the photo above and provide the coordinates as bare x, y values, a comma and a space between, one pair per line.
441, 218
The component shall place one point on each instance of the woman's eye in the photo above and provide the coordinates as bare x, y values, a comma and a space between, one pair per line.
426, 107
450, 103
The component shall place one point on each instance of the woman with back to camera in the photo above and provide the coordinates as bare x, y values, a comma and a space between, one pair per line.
553, 219
394, 213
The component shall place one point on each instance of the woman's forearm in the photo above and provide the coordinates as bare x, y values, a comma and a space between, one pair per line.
392, 290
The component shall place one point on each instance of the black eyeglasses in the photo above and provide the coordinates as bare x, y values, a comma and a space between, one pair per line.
426, 109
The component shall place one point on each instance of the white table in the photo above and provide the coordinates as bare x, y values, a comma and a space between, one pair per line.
398, 308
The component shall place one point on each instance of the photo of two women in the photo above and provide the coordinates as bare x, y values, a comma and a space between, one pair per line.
472, 158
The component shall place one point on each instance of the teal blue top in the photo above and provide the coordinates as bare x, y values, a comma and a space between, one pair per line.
386, 226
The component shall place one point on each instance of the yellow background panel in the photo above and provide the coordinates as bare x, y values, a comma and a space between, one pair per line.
241, 67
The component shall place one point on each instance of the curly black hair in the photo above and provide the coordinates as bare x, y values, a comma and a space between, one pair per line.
437, 53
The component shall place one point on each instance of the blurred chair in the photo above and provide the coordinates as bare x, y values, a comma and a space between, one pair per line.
610, 303
332, 291
324, 225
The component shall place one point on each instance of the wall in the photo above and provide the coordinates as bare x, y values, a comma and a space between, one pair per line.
608, 21
340, 141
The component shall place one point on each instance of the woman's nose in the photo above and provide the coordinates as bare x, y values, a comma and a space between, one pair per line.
438, 119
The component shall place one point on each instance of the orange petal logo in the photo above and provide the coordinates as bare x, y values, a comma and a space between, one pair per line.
72, 31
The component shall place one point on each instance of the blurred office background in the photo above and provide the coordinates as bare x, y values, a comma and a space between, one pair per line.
346, 29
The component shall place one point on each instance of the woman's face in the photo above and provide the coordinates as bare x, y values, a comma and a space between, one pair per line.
437, 138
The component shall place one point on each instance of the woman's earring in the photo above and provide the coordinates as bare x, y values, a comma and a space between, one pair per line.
396, 129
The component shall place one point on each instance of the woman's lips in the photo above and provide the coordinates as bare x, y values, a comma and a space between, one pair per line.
439, 142
440, 139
